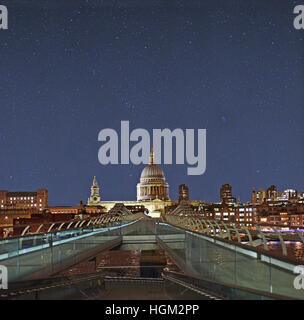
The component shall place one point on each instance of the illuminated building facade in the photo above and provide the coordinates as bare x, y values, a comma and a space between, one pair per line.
7, 217
226, 194
265, 206
81, 209
271, 194
183, 192
24, 200
152, 192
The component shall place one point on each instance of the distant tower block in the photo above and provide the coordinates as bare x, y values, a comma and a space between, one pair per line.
225, 192
183, 192
95, 197
271, 193
254, 196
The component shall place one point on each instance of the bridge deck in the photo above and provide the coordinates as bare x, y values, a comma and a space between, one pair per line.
197, 255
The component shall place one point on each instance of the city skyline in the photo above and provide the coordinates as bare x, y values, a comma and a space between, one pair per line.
236, 70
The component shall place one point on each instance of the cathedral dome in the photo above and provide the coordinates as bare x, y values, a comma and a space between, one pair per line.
152, 183
152, 171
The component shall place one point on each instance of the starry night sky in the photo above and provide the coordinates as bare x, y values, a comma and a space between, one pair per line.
69, 68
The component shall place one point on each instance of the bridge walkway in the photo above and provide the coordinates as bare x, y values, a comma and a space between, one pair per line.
219, 263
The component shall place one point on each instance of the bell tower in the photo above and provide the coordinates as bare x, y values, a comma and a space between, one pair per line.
95, 197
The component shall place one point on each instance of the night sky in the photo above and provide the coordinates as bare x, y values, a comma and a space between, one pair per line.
69, 68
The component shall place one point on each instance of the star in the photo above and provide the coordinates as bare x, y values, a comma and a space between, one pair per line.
223, 119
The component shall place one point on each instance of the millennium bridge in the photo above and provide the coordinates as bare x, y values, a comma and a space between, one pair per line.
215, 260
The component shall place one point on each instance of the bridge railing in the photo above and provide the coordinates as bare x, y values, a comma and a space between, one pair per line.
220, 290
77, 287
41, 235
21, 230
222, 260
33, 256
252, 236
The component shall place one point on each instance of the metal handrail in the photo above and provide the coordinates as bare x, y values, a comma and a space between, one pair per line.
61, 226
206, 225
